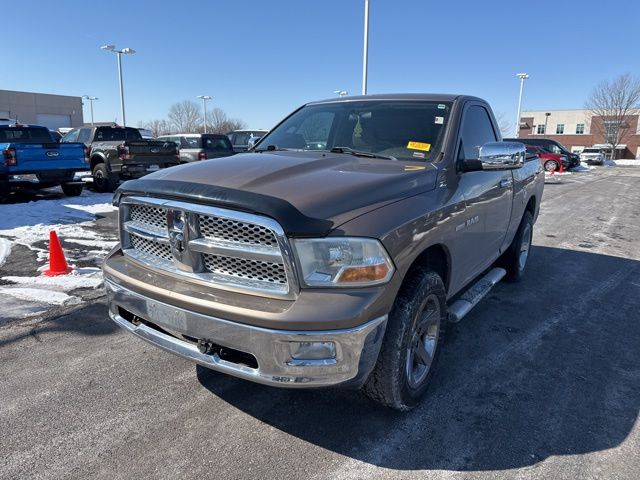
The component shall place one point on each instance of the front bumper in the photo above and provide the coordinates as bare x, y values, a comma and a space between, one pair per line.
177, 330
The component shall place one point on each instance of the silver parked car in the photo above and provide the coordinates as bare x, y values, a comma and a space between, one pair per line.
200, 146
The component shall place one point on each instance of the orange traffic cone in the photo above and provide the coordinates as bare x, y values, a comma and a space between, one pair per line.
57, 262
561, 168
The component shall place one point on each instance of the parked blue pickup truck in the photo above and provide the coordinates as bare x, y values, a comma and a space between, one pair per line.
32, 159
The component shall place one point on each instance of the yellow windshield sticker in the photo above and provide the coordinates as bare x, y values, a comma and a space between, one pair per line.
425, 147
413, 168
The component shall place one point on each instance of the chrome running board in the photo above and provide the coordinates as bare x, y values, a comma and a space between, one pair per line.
475, 293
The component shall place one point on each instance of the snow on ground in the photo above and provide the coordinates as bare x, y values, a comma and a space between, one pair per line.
628, 163
29, 224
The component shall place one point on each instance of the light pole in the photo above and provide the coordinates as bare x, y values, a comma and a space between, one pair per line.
341, 93
91, 99
365, 55
546, 120
119, 53
522, 77
204, 99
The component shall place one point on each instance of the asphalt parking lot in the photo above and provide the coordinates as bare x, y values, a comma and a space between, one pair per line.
541, 380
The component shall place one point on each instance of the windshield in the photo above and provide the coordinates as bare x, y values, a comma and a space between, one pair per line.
216, 143
404, 130
25, 135
117, 134
590, 150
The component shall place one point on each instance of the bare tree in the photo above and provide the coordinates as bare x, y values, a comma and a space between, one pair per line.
185, 117
157, 127
219, 122
611, 105
504, 125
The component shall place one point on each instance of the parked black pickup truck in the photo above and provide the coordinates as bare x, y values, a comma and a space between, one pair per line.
120, 153
336, 251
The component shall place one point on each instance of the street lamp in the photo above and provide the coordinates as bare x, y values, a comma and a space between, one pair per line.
204, 99
522, 77
341, 93
91, 99
546, 120
119, 53
365, 55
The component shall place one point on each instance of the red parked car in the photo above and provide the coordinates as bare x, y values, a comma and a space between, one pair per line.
550, 161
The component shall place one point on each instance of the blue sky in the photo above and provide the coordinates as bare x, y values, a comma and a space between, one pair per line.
261, 59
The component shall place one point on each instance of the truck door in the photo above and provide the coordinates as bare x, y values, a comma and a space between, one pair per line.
488, 194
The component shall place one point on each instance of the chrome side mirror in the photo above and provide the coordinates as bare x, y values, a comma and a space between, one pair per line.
502, 155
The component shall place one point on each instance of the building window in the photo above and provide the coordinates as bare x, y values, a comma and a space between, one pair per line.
580, 129
560, 129
540, 130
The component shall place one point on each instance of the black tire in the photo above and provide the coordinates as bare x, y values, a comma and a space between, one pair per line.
515, 259
72, 190
5, 190
551, 165
102, 180
390, 383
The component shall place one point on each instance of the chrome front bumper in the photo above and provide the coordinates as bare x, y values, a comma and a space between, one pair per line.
356, 349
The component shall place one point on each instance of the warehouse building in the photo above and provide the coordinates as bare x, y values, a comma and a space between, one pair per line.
52, 111
578, 129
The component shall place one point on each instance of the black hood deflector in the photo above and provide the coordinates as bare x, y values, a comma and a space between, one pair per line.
294, 222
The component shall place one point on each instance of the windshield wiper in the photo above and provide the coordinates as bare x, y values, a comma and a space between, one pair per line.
270, 148
358, 153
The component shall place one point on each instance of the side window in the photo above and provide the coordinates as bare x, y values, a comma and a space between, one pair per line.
476, 131
83, 135
71, 136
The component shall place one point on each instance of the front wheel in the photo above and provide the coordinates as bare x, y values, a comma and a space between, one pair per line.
102, 181
412, 343
72, 190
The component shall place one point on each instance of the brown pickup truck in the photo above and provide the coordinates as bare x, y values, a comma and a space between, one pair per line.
335, 251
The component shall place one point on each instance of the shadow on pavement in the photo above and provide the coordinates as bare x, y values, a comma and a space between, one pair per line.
90, 320
546, 367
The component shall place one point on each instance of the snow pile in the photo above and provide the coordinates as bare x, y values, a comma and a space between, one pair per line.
582, 168
29, 224
628, 163
40, 296
5, 250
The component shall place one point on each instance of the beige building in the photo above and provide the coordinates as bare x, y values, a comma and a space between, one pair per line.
52, 111
577, 129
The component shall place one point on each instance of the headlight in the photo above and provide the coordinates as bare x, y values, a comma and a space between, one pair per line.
342, 262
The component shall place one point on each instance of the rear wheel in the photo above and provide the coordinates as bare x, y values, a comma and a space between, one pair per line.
102, 181
72, 190
514, 260
551, 165
412, 343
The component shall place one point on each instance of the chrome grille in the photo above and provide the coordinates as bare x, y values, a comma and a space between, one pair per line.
231, 250
154, 249
235, 231
249, 269
153, 217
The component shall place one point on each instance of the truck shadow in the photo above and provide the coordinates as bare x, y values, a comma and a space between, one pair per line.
546, 367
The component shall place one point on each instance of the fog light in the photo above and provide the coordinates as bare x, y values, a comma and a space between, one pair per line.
312, 350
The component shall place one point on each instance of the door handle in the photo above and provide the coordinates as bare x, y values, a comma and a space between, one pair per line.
505, 183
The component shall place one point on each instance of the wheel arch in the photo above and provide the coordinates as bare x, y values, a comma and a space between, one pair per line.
96, 159
437, 258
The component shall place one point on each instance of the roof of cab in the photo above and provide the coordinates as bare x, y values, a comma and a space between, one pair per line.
437, 97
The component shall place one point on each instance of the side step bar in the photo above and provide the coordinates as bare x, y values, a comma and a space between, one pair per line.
470, 298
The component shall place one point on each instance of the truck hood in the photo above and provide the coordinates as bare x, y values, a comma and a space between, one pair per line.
330, 188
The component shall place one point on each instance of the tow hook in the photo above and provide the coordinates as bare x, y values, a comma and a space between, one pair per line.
205, 347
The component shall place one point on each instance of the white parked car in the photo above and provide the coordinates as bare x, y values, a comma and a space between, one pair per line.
592, 155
